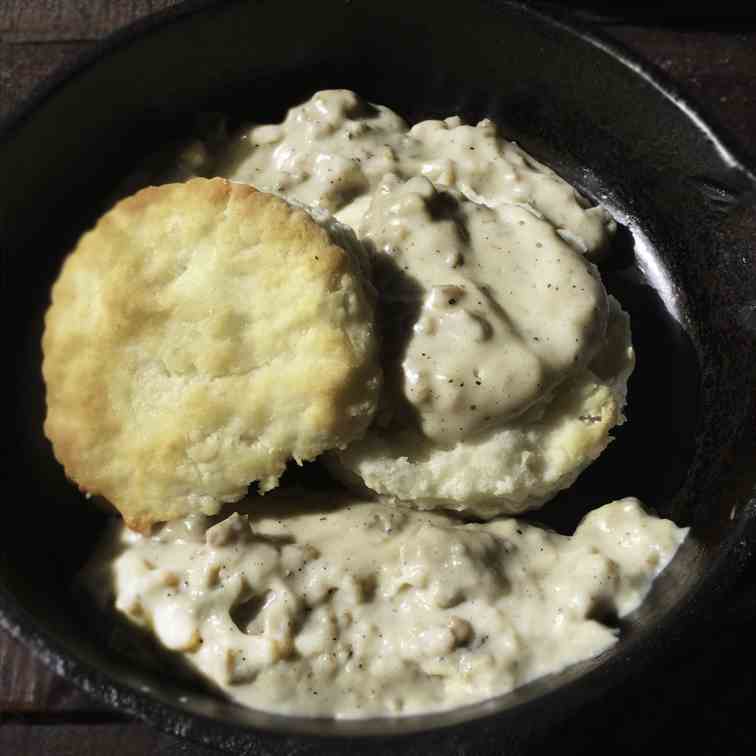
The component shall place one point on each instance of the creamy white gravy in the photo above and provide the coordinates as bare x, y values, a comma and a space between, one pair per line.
316, 605
488, 302
325, 606
505, 309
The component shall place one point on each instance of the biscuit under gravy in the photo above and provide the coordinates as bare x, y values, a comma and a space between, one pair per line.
199, 337
517, 467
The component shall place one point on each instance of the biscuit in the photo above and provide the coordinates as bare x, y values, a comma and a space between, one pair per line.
199, 337
516, 468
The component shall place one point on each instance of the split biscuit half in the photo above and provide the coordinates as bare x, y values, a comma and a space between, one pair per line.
512, 469
199, 337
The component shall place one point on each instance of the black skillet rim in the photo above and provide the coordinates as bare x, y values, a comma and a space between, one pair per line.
731, 560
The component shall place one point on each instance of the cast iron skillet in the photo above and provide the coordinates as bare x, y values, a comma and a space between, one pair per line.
683, 266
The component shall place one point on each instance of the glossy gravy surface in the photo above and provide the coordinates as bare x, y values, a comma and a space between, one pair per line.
330, 606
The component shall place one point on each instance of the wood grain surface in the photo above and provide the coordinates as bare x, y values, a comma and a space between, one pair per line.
41, 713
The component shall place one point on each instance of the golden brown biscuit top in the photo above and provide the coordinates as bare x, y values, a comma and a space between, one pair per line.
200, 336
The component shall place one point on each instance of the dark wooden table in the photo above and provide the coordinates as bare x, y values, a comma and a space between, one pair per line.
706, 700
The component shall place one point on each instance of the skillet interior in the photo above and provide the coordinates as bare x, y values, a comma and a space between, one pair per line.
683, 267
